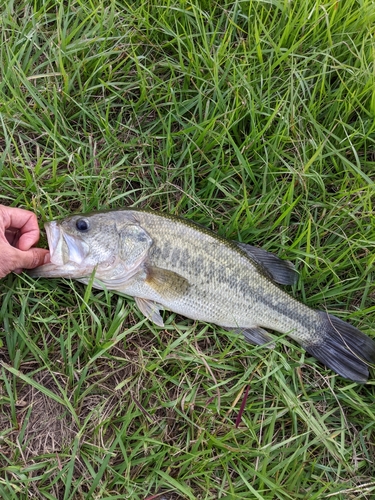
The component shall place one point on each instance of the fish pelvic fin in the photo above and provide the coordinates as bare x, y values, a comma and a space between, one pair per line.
151, 310
344, 349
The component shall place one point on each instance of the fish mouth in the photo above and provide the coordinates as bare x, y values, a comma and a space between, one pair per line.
67, 255
63, 247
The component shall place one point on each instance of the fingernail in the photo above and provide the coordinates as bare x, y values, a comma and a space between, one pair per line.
46, 259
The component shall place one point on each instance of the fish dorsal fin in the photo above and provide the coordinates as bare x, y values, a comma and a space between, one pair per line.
134, 243
280, 271
168, 284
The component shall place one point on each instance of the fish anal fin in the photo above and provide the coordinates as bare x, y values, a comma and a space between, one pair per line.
255, 335
279, 270
168, 284
151, 310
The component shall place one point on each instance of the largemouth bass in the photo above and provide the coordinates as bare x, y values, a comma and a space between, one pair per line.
170, 263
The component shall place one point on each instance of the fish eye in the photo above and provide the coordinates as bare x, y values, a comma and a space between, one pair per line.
82, 225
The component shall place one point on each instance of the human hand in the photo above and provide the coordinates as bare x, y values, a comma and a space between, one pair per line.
19, 231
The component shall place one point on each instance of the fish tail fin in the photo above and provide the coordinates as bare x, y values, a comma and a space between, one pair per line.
345, 349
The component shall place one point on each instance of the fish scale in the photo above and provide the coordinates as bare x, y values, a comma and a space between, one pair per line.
170, 263
230, 282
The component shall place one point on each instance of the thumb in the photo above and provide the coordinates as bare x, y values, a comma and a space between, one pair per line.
32, 258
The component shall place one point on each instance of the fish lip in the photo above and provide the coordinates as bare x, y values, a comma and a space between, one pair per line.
53, 233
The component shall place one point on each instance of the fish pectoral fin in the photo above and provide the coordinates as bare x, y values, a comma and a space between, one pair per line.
279, 270
255, 335
167, 284
151, 310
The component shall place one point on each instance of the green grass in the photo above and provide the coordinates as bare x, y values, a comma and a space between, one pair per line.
254, 118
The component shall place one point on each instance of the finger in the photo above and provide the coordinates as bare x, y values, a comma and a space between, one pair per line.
27, 240
31, 258
25, 221
45, 261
